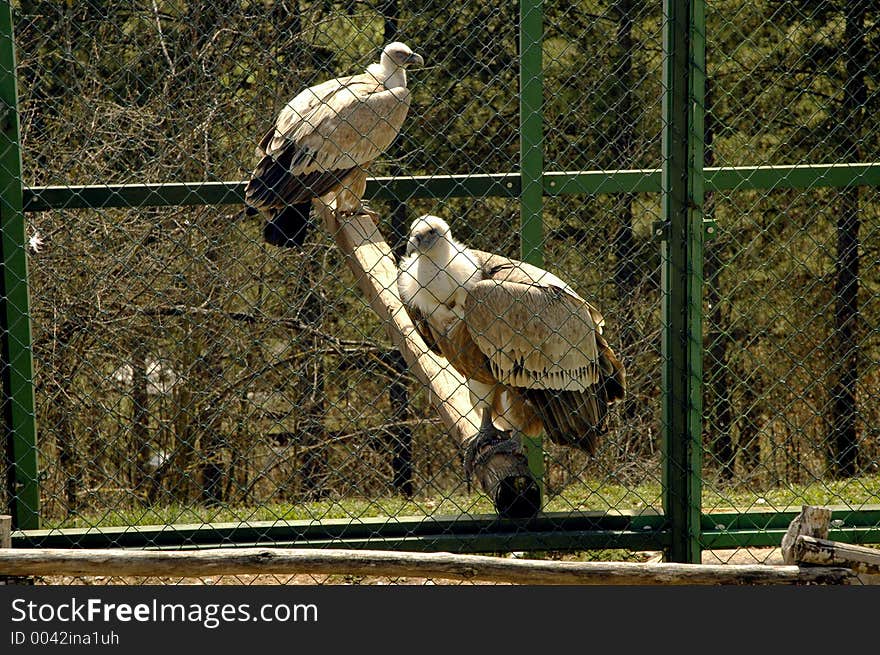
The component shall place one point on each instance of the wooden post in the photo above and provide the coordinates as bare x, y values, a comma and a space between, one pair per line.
6, 545
812, 521
505, 477
806, 543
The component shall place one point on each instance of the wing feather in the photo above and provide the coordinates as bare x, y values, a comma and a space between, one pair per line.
536, 332
339, 125
423, 327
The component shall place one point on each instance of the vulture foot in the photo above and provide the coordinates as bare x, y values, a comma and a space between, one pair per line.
363, 209
496, 459
488, 441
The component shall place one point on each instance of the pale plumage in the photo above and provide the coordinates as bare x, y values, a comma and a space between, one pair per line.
324, 140
529, 346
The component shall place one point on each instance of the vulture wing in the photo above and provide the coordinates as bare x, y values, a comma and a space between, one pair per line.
536, 332
423, 327
340, 126
323, 134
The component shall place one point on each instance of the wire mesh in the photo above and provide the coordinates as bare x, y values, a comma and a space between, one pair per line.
189, 374
791, 284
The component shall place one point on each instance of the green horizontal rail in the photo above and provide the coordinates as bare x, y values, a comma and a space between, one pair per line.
740, 178
458, 533
231, 193
726, 540
766, 528
843, 517
554, 531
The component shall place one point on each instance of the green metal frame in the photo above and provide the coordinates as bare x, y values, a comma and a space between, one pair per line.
682, 199
502, 185
18, 390
681, 530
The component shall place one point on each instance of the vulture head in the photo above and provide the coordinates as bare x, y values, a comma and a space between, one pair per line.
391, 69
398, 55
427, 232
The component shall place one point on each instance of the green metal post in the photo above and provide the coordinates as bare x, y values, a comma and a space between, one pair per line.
18, 392
682, 188
531, 125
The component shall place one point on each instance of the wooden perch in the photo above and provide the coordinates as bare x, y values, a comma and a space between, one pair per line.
505, 477
240, 561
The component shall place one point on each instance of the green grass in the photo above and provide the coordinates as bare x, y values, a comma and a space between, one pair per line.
582, 496
852, 492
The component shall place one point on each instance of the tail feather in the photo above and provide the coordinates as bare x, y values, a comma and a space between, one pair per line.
570, 418
289, 226
580, 418
612, 375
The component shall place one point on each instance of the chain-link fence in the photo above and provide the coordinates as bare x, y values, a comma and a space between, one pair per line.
194, 384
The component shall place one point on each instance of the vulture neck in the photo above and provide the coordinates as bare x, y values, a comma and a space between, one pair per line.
388, 73
455, 259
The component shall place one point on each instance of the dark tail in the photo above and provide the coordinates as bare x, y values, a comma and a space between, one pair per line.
579, 418
571, 418
612, 375
289, 226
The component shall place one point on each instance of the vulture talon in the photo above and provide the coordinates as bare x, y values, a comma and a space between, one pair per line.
369, 212
487, 442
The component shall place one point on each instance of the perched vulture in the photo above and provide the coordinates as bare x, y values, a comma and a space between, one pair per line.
530, 348
323, 141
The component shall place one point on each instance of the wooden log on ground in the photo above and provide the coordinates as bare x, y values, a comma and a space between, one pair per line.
811, 521
505, 477
823, 552
6, 543
223, 561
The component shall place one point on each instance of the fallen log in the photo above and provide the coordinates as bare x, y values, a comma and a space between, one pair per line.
222, 561
806, 543
823, 552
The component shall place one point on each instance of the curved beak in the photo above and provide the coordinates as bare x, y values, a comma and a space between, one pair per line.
415, 60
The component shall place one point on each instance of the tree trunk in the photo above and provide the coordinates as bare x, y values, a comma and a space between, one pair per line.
398, 393
717, 374
622, 145
140, 421
313, 404
69, 458
845, 374
401, 435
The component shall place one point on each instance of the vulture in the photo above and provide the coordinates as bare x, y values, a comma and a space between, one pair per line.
323, 141
530, 348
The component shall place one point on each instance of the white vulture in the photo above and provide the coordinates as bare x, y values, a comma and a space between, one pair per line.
324, 140
530, 348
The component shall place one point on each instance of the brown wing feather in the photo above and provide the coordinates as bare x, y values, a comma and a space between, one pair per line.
322, 135
423, 327
536, 332
527, 295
